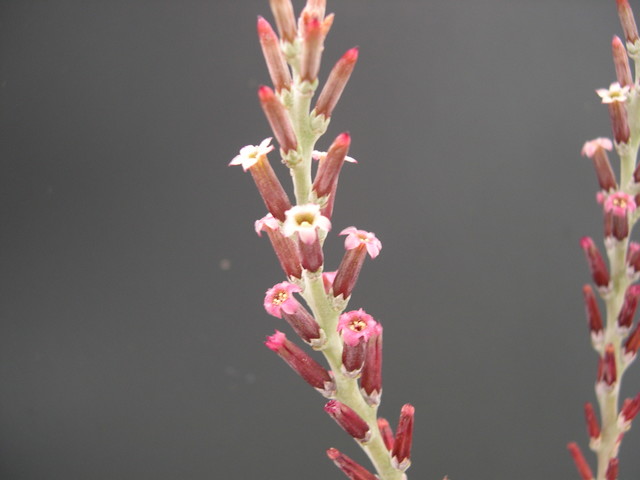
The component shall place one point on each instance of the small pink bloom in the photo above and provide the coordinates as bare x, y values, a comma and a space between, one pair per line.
268, 222
349, 420
356, 238
355, 326
592, 146
619, 203
581, 464
349, 467
279, 298
250, 154
401, 452
305, 220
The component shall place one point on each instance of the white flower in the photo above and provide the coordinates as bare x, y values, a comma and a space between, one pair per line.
615, 93
250, 154
305, 221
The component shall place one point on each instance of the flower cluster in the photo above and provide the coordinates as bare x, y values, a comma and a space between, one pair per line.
613, 336
351, 341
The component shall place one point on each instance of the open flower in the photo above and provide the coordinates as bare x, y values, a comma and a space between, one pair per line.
619, 204
356, 237
615, 93
279, 299
305, 221
250, 154
356, 326
592, 146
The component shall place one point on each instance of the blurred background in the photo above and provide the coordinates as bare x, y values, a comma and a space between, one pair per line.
131, 285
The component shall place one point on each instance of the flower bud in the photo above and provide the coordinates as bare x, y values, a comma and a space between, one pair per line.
278, 119
594, 319
627, 21
592, 423
612, 470
371, 380
349, 420
334, 86
581, 464
596, 263
621, 62
285, 19
401, 452
305, 366
628, 309
276, 63
349, 467
386, 433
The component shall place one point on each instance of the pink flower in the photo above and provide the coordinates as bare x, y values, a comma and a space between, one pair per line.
619, 203
250, 154
279, 298
356, 237
305, 220
355, 326
589, 149
268, 222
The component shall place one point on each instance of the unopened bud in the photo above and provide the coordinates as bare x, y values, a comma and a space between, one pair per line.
352, 469
581, 464
596, 263
278, 119
401, 452
335, 84
349, 420
276, 63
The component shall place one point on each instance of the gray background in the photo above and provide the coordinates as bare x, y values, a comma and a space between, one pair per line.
131, 324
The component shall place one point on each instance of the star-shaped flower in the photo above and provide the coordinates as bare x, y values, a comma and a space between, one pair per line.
251, 154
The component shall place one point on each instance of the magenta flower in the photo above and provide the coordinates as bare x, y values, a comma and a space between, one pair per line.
305, 220
619, 204
356, 326
356, 237
279, 298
